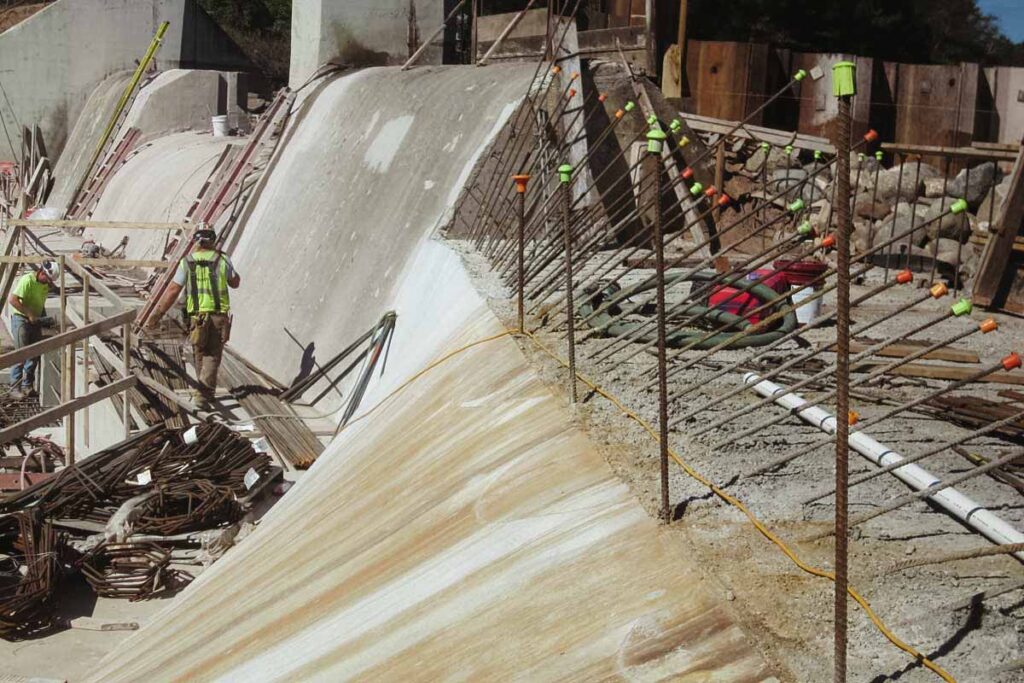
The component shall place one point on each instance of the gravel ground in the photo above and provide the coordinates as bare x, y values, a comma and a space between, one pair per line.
788, 612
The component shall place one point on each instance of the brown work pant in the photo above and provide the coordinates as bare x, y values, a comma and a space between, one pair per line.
207, 357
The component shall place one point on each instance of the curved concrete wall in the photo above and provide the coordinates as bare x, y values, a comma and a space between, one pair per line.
373, 168
465, 531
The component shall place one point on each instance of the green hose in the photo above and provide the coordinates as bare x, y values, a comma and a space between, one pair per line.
612, 303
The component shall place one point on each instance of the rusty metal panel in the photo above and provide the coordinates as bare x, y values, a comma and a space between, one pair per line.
936, 104
818, 108
726, 80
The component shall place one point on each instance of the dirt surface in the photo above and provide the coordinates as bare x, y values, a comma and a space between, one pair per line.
938, 609
16, 15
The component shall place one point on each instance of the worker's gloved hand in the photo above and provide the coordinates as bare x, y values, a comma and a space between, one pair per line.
46, 321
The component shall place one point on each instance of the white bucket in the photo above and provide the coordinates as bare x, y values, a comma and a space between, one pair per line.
220, 126
807, 312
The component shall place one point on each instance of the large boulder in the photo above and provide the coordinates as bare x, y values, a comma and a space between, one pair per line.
934, 187
973, 184
864, 207
943, 223
905, 181
899, 225
989, 208
795, 182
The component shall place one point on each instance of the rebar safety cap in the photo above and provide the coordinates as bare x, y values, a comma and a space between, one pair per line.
565, 173
844, 79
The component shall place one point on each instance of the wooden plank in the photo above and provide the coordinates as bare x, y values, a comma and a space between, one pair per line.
779, 138
686, 202
106, 292
97, 262
956, 152
16, 431
96, 225
1006, 227
71, 336
950, 372
902, 350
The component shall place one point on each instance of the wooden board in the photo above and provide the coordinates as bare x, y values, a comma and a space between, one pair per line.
991, 279
16, 431
39, 348
904, 349
947, 372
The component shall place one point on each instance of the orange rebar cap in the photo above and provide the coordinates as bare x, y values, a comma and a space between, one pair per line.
871, 135
829, 241
520, 181
939, 290
724, 200
602, 97
572, 93
988, 325
710, 192
687, 173
1012, 362
853, 417
619, 114
904, 276
556, 69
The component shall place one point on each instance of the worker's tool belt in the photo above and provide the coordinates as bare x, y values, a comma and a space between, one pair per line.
204, 334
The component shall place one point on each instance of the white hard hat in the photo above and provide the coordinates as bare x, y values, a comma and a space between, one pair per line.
51, 269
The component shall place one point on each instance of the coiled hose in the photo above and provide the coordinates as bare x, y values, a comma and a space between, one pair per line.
612, 301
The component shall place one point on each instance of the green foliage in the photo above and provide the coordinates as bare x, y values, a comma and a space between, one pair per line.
922, 31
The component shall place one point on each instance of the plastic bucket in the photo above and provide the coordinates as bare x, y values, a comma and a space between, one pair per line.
807, 312
220, 126
799, 274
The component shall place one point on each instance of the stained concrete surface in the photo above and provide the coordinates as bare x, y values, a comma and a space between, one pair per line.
465, 530
360, 33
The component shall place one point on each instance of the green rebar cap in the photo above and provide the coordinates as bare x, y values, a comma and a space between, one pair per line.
565, 173
962, 307
861, 156
805, 228
879, 154
652, 120
789, 149
800, 75
798, 205
959, 206
817, 155
630, 106
844, 79
675, 126
766, 146
696, 189
655, 140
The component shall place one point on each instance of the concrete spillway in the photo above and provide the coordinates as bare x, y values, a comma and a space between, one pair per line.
465, 530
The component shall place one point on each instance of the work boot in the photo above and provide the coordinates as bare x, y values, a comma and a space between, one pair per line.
15, 394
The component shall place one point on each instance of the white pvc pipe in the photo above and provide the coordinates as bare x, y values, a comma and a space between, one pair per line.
960, 506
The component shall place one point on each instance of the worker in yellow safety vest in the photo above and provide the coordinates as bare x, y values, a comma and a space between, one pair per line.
205, 274
28, 301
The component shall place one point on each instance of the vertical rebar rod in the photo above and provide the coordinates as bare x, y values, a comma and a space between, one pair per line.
86, 285
843, 87
565, 175
521, 181
654, 164
126, 343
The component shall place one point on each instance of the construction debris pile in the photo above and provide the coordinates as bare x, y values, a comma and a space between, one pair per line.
122, 517
909, 198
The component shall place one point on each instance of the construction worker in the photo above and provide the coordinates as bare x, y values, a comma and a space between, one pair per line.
29, 303
205, 274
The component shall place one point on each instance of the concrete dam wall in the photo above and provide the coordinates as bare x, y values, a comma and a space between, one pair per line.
465, 529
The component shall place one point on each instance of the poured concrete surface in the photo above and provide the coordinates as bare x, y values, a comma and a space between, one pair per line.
158, 184
466, 530
372, 170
